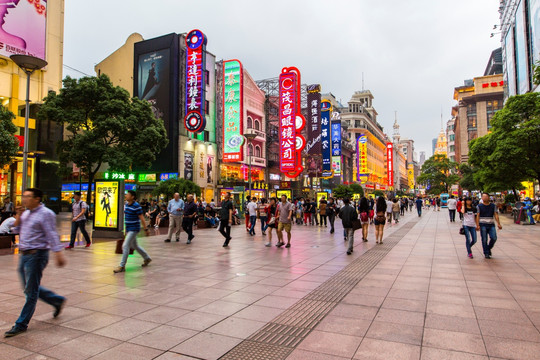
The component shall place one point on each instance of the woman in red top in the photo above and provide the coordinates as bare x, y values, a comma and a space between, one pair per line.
458, 208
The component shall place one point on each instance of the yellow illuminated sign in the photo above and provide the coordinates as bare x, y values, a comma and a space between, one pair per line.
287, 193
410, 176
320, 195
106, 205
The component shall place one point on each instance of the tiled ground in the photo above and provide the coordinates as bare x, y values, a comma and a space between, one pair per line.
425, 299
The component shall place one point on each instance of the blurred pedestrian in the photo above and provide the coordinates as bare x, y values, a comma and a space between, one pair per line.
363, 210
347, 214
175, 208
380, 219
285, 213
226, 218
79, 209
190, 214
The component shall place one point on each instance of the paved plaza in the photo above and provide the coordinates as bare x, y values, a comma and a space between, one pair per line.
417, 296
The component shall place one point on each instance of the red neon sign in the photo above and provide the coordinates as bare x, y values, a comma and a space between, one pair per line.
195, 120
291, 123
390, 163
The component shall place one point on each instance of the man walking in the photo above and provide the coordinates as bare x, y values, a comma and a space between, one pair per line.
246, 211
389, 205
452, 207
419, 204
190, 213
133, 217
176, 214
225, 218
285, 213
37, 229
485, 222
347, 214
252, 210
79, 210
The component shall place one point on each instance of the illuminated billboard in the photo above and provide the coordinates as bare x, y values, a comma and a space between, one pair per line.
361, 159
233, 111
106, 204
313, 145
291, 123
195, 81
326, 109
336, 146
390, 163
410, 176
23, 28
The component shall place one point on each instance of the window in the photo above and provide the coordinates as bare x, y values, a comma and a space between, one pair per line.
257, 125
473, 134
250, 149
257, 151
206, 107
491, 108
207, 76
452, 137
206, 135
471, 116
249, 123
452, 148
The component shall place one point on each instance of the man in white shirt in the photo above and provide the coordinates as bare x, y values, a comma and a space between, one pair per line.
252, 210
389, 205
452, 206
5, 228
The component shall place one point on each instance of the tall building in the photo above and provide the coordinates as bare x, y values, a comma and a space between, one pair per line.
433, 146
441, 147
422, 158
520, 41
42, 35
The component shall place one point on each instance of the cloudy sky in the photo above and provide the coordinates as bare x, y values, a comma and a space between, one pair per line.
412, 53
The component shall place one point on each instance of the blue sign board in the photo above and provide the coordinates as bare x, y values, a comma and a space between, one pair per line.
168, 176
76, 187
326, 108
336, 137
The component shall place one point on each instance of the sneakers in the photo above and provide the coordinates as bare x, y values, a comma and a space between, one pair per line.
279, 244
69, 247
15, 330
268, 244
167, 240
119, 269
88, 245
488, 256
470, 256
146, 262
288, 245
177, 239
58, 308
349, 252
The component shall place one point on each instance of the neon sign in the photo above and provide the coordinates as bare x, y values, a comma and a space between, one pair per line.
119, 176
291, 123
336, 146
361, 159
326, 109
390, 163
195, 81
233, 110
314, 116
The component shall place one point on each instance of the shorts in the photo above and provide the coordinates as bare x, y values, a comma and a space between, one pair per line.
284, 226
379, 221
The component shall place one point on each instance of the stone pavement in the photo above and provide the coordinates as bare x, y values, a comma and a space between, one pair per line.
417, 296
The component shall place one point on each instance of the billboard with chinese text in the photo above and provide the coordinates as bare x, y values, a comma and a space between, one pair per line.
390, 163
361, 159
106, 204
313, 146
326, 110
233, 111
195, 81
336, 146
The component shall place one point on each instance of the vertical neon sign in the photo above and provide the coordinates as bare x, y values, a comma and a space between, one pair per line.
195, 81
361, 159
233, 111
390, 163
326, 109
291, 123
336, 146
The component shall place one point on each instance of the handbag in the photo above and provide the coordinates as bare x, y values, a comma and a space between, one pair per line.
356, 224
462, 231
272, 220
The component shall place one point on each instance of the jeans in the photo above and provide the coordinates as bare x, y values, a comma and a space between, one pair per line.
252, 221
211, 220
485, 230
470, 237
396, 215
30, 269
331, 219
225, 229
78, 225
263, 223
323, 219
452, 215
130, 242
175, 222
187, 225
349, 234
419, 209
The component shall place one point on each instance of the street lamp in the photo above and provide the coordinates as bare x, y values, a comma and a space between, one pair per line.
28, 64
249, 138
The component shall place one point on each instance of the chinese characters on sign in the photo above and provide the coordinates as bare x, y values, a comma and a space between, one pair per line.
313, 145
361, 159
336, 145
291, 123
106, 204
119, 176
168, 176
195, 120
326, 109
410, 176
390, 163
233, 83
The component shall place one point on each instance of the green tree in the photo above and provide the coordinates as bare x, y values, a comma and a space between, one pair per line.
439, 173
467, 177
356, 189
378, 193
104, 126
9, 145
536, 75
342, 191
181, 186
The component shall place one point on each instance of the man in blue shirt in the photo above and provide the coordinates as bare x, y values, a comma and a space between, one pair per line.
133, 216
37, 235
419, 204
176, 214
485, 222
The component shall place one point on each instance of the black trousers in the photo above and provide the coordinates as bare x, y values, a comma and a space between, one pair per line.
323, 219
187, 225
331, 219
225, 229
78, 225
452, 215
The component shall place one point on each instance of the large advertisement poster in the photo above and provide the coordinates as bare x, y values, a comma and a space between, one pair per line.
522, 62
209, 167
233, 111
410, 176
313, 145
106, 205
534, 21
336, 145
390, 163
510, 70
280, 192
153, 82
188, 166
361, 158
23, 27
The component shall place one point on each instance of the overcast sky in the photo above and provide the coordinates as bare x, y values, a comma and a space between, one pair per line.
412, 53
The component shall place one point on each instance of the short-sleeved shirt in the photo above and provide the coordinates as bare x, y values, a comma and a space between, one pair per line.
78, 207
224, 212
131, 216
284, 210
452, 204
252, 208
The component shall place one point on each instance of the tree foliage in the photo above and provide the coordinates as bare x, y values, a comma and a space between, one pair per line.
104, 126
181, 186
439, 174
467, 181
378, 193
342, 191
9, 145
356, 189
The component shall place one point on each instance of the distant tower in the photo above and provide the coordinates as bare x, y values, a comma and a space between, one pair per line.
396, 136
422, 157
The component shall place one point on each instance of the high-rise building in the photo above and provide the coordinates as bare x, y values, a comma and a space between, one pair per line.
433, 145
422, 158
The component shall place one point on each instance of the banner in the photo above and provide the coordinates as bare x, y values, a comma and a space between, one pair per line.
313, 145
209, 167
195, 81
390, 163
326, 109
188, 166
233, 111
287, 193
336, 144
361, 159
410, 176
291, 123
106, 204
23, 28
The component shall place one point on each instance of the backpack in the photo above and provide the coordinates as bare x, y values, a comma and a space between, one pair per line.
364, 217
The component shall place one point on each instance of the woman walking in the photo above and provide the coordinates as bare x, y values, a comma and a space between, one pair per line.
469, 224
271, 211
380, 219
263, 215
363, 210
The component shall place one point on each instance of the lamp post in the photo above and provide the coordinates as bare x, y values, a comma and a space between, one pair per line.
249, 138
28, 64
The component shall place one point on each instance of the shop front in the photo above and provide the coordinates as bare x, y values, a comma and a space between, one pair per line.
11, 177
236, 175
